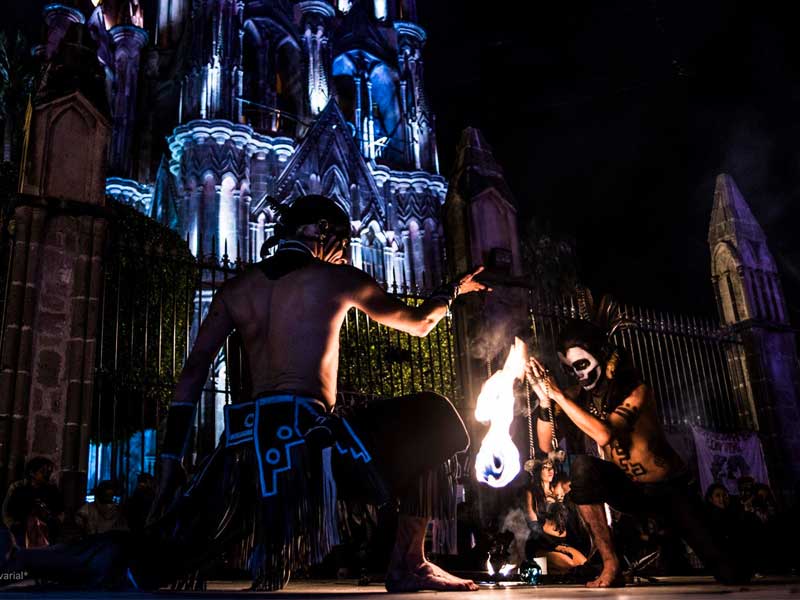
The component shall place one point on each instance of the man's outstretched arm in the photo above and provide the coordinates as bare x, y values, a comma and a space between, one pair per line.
415, 320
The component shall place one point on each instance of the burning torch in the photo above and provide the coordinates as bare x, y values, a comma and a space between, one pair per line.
497, 461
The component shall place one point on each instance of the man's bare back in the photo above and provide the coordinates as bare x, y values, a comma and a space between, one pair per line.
290, 326
290, 323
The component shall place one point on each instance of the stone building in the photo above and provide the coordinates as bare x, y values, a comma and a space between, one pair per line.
750, 301
260, 101
206, 113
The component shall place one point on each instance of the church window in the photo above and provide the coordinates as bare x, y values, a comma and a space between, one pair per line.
372, 256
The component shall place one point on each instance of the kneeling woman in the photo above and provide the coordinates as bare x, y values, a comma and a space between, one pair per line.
547, 517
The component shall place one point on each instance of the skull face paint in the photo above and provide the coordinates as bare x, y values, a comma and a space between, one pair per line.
583, 365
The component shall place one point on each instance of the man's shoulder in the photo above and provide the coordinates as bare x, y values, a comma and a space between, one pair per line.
253, 277
245, 279
343, 272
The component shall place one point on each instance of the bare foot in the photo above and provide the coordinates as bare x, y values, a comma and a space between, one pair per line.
427, 576
609, 577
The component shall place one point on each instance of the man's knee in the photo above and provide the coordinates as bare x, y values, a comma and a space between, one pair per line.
585, 480
582, 469
443, 417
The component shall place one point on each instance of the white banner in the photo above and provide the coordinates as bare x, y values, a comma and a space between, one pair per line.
724, 457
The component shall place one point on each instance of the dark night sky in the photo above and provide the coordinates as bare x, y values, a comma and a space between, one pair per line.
613, 118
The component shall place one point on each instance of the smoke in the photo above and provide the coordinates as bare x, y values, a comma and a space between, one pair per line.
515, 523
503, 317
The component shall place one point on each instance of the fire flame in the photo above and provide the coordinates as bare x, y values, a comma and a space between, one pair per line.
504, 571
497, 462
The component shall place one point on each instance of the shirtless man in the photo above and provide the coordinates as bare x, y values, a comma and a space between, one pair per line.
288, 310
641, 473
271, 486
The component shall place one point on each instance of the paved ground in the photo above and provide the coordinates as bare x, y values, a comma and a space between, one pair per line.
695, 588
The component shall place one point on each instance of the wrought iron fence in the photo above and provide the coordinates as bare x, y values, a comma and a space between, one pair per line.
695, 367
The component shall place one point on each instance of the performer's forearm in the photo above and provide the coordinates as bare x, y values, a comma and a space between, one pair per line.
597, 430
434, 309
213, 331
181, 410
430, 313
544, 434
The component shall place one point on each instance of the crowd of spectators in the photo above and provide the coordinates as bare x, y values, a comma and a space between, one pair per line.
751, 522
33, 508
748, 521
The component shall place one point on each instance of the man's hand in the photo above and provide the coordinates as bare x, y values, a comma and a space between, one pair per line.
543, 383
468, 284
171, 475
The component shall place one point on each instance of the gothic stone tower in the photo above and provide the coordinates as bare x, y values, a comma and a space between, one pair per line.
481, 225
263, 100
750, 300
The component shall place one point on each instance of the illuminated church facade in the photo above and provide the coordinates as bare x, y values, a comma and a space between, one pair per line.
222, 108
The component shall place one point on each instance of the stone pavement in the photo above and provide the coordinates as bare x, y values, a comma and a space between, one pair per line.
667, 588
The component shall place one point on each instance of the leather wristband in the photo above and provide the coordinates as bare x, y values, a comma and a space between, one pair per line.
543, 414
445, 293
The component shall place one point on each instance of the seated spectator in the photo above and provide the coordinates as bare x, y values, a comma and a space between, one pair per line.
721, 515
548, 516
33, 508
103, 514
745, 487
763, 504
140, 501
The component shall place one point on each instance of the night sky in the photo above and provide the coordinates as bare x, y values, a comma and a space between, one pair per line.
612, 120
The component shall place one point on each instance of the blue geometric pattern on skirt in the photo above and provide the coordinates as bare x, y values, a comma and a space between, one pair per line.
276, 424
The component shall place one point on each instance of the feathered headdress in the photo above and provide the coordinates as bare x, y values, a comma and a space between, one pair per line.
596, 327
607, 315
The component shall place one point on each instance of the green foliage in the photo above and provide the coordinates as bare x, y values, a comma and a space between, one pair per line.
147, 312
377, 360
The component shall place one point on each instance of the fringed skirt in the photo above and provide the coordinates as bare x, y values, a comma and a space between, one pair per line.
270, 489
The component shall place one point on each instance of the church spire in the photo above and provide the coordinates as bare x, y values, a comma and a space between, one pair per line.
731, 216
743, 270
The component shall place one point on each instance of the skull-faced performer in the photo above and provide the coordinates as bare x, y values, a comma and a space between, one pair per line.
639, 473
272, 484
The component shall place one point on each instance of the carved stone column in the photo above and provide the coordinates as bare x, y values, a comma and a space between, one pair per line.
59, 19
315, 16
129, 41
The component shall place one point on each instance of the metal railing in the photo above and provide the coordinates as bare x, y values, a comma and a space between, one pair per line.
695, 367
